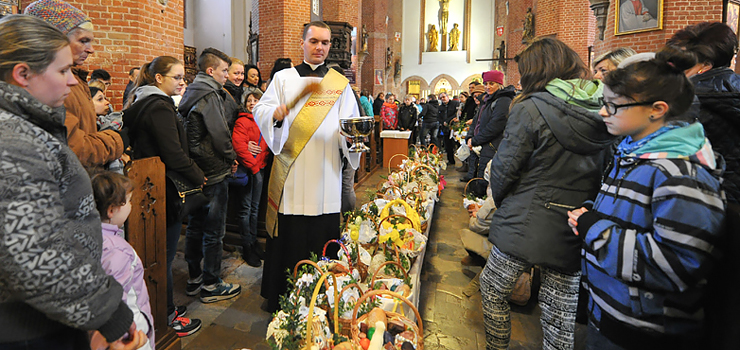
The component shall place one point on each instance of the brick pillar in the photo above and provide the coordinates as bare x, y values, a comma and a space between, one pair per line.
281, 28
373, 15
345, 11
129, 33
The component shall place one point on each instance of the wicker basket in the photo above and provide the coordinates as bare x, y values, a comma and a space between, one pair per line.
390, 161
309, 340
345, 324
343, 248
416, 327
465, 189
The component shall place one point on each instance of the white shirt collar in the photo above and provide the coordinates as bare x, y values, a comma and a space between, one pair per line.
313, 66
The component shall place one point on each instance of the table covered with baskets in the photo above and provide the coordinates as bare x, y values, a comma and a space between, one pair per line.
368, 297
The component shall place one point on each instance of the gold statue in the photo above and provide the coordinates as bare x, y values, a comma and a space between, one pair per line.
454, 38
433, 36
528, 30
444, 13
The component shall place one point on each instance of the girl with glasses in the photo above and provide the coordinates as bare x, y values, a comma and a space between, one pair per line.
156, 131
651, 236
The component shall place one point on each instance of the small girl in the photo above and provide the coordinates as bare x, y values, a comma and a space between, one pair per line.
389, 113
251, 152
113, 200
651, 238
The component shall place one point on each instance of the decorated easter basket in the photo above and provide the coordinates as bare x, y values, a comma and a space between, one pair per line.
390, 161
345, 323
339, 267
409, 328
413, 240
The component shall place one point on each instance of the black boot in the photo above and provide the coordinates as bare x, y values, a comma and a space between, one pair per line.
257, 251
249, 257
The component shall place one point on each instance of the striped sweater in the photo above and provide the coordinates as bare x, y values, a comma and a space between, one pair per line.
650, 238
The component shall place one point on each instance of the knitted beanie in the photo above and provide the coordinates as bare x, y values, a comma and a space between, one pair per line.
60, 14
494, 76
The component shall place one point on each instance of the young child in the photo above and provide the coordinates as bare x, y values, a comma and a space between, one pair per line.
651, 238
251, 152
113, 200
107, 120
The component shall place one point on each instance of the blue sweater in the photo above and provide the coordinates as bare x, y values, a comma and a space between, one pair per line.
650, 237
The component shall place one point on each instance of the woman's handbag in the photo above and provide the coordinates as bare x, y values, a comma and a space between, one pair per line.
241, 176
182, 197
522, 289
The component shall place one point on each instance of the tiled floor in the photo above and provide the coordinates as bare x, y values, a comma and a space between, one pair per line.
451, 320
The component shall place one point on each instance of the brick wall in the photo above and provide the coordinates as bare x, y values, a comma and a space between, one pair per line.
570, 21
129, 33
281, 27
676, 15
373, 15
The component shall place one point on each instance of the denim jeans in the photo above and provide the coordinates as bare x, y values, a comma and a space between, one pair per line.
173, 237
205, 234
250, 206
425, 129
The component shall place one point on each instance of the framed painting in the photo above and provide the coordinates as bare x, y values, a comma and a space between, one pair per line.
637, 16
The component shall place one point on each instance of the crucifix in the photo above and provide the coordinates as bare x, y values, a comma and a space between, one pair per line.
501, 56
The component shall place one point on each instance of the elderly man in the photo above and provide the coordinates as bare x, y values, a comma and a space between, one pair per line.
305, 189
94, 148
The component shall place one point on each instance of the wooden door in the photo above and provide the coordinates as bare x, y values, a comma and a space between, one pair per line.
147, 233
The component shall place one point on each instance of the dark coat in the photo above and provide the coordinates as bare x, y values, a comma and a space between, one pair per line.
377, 105
492, 117
447, 112
205, 116
550, 161
718, 91
157, 131
429, 112
407, 116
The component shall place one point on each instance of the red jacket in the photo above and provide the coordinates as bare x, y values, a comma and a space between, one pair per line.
389, 114
246, 130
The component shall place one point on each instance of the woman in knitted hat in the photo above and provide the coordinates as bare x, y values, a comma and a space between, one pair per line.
488, 128
54, 287
94, 148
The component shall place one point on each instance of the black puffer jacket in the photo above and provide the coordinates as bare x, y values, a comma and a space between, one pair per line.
550, 161
491, 119
407, 116
205, 118
718, 91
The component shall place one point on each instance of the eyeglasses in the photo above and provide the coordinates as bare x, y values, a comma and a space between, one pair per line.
611, 108
176, 77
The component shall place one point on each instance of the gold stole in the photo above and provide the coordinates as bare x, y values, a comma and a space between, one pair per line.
304, 125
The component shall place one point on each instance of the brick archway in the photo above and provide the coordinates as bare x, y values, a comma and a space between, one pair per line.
423, 85
453, 82
469, 79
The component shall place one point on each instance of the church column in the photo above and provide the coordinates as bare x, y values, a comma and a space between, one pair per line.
280, 31
374, 15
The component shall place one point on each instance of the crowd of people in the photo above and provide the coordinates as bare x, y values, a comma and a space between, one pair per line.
618, 181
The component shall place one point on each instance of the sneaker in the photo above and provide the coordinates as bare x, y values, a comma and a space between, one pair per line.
185, 326
219, 291
181, 310
194, 286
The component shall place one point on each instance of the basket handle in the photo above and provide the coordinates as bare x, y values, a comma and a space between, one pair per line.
308, 262
309, 326
432, 148
390, 161
465, 190
355, 329
380, 223
375, 275
341, 245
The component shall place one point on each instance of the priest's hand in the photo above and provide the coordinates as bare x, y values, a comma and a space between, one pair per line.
280, 113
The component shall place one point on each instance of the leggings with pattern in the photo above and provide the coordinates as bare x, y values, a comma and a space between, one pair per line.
558, 299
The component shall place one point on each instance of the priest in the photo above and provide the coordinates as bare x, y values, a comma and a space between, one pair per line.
299, 119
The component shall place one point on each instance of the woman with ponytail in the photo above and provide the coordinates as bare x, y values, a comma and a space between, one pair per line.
156, 131
651, 237
552, 155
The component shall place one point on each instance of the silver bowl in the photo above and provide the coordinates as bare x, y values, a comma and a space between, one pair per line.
357, 129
